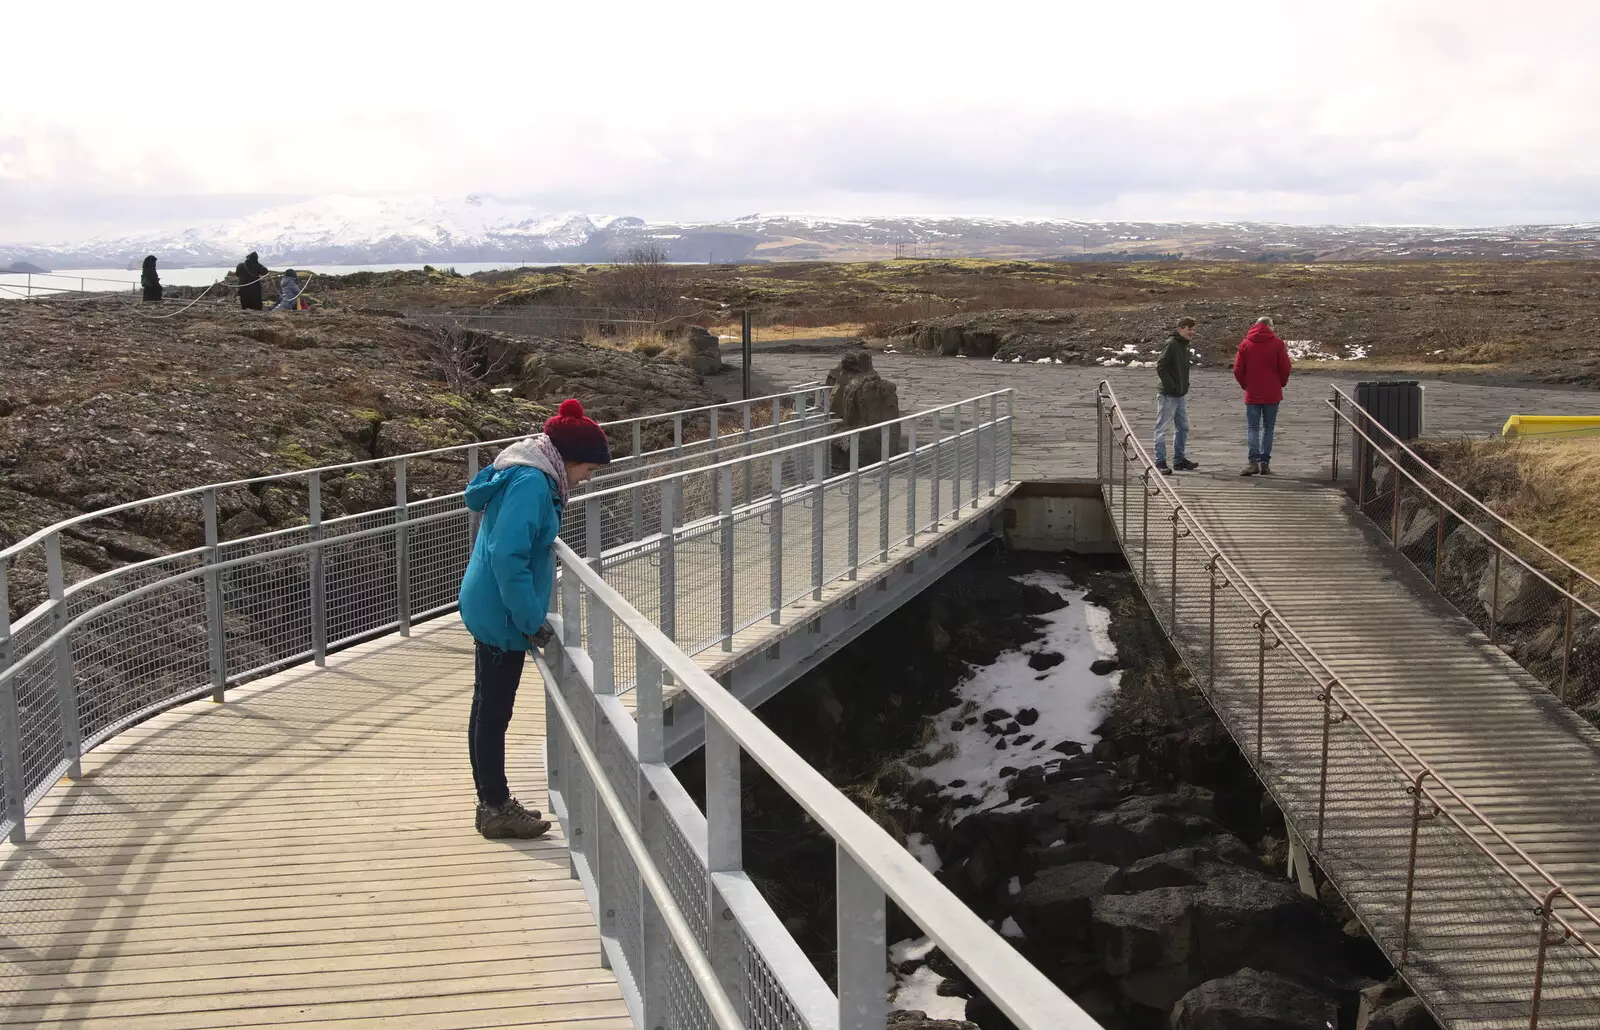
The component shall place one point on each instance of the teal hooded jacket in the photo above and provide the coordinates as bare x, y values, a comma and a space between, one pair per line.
505, 594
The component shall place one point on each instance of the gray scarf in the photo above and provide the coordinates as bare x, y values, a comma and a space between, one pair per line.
537, 452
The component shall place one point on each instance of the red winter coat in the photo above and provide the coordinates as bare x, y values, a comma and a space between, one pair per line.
1262, 365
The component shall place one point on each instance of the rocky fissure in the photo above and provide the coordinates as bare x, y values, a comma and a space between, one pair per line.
1139, 867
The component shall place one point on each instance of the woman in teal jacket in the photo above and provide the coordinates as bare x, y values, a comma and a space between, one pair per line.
505, 593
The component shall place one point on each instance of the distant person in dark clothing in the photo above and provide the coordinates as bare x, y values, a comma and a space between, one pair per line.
251, 272
1172, 403
150, 281
1262, 367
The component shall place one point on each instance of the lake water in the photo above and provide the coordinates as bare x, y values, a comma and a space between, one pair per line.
110, 280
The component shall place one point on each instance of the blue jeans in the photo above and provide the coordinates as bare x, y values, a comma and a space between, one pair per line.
1261, 419
1172, 413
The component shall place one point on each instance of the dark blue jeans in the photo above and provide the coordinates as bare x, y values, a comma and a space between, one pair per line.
1260, 420
496, 675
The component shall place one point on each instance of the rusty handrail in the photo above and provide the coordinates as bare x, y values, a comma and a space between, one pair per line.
1328, 680
1574, 570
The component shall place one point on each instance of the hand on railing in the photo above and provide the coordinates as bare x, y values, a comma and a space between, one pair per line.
542, 638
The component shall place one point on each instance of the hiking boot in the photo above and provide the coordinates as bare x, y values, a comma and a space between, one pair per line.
1266, 469
1251, 469
484, 810
1185, 465
511, 821
1163, 468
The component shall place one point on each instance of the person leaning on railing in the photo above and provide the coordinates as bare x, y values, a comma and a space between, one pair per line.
505, 594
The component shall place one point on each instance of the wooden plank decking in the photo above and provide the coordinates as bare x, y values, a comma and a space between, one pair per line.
302, 854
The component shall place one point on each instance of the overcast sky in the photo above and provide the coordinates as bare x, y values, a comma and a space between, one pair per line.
1407, 111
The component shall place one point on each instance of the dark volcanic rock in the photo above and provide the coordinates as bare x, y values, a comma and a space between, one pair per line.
1254, 1000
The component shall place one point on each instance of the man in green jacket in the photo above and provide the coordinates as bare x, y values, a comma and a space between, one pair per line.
1172, 404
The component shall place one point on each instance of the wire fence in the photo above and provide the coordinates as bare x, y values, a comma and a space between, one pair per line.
1478, 927
1536, 606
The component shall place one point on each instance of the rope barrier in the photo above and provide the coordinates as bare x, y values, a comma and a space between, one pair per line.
220, 282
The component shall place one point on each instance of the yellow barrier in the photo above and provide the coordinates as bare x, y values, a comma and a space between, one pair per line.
1544, 425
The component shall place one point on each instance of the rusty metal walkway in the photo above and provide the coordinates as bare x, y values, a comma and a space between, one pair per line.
1453, 800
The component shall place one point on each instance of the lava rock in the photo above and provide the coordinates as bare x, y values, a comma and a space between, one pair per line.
1028, 716
1058, 905
1254, 1000
1104, 666
1039, 661
1036, 600
1407, 1014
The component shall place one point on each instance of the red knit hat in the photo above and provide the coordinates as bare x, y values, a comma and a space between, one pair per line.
578, 437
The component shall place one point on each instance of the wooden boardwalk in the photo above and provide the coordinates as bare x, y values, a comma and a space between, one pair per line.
302, 854
1491, 729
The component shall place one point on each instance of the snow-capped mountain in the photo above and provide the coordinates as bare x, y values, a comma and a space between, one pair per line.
384, 230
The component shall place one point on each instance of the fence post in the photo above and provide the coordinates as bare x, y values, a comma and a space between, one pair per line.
598, 617
1144, 532
911, 485
749, 467
655, 941
319, 583
1211, 637
1334, 402
639, 474
1011, 421
938, 441
1566, 636
1322, 777
853, 530
402, 550
1494, 594
863, 947
777, 418
725, 476
994, 442
977, 452
669, 558
472, 516
1127, 456
775, 539
819, 457
955, 469
1415, 790
677, 434
66, 697
10, 724
1261, 685
724, 850
216, 631
1173, 601
1545, 911
885, 481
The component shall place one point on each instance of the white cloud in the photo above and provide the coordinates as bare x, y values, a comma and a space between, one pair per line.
1465, 111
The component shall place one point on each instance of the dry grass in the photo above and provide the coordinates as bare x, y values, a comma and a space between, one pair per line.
649, 344
790, 332
1545, 486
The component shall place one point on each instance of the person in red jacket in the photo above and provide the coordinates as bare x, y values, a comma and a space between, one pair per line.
1262, 368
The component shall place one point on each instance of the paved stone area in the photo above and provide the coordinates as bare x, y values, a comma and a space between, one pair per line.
1055, 407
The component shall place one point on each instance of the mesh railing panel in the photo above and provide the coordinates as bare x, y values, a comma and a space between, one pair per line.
765, 1003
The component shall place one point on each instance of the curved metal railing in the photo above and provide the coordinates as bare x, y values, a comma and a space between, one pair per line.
93, 655
1436, 502
1264, 679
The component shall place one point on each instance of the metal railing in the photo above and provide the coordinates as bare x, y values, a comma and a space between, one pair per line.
373, 547
1425, 869
709, 552
687, 933
28, 288
1526, 597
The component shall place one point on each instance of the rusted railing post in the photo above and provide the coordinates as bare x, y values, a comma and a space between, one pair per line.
1546, 909
1566, 637
1211, 644
1438, 550
1126, 458
1394, 535
1144, 533
1325, 695
1415, 790
1172, 603
1494, 591
1261, 684
1335, 463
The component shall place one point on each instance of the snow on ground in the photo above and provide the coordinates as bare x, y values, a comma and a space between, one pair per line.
923, 851
1009, 928
918, 991
1068, 699
1311, 350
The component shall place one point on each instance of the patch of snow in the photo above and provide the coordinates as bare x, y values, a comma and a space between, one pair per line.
919, 992
1009, 928
1017, 360
1042, 361
1068, 697
912, 949
1311, 350
923, 851
1015, 886
1129, 348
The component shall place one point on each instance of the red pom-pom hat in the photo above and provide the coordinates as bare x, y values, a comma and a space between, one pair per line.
578, 437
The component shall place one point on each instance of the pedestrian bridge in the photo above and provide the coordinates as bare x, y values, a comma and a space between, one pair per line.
235, 790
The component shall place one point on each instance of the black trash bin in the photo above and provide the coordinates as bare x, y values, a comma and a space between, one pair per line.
1396, 405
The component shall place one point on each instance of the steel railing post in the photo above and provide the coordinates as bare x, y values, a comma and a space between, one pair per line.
912, 484
725, 477
1394, 533
571, 610
724, 851
819, 459
1438, 549
66, 696
1144, 531
1546, 910
1127, 457
853, 530
1494, 592
637, 493
1566, 636
1415, 789
885, 483
1211, 633
1326, 697
677, 434
1261, 687
402, 550
938, 445
472, 516
216, 632
1334, 402
977, 453
16, 791
749, 467
863, 947
994, 442
601, 646
775, 539
955, 465
1173, 602
669, 557
1011, 421
319, 583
